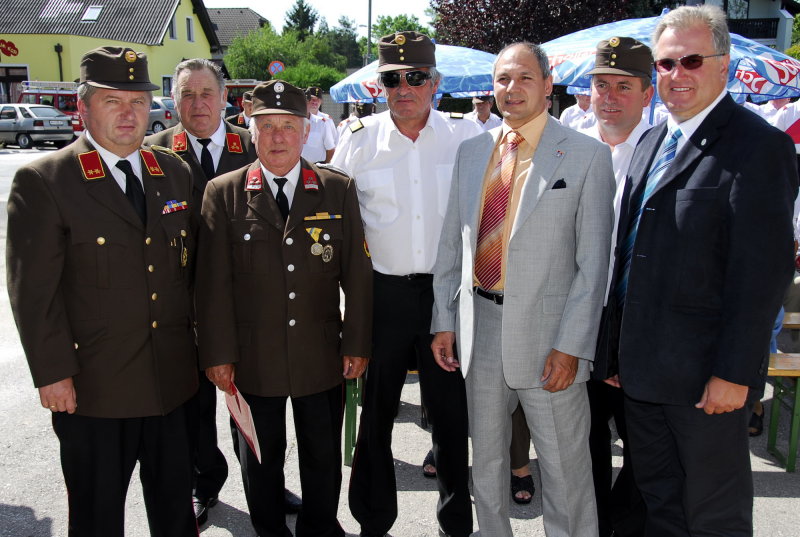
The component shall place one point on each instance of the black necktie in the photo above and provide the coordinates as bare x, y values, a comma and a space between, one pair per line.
133, 189
283, 201
206, 162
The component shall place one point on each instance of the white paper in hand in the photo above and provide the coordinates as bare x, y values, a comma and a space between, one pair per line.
240, 412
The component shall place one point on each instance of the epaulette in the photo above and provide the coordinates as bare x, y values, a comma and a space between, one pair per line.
167, 150
331, 167
356, 126
456, 115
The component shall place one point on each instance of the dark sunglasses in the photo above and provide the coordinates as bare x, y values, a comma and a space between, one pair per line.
413, 78
689, 62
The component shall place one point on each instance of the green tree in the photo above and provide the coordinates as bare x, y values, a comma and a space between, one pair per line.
307, 74
301, 18
342, 40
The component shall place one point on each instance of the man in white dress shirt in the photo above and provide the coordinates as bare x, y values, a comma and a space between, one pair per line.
482, 113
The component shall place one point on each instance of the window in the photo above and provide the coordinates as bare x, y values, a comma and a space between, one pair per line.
91, 14
166, 85
173, 29
44, 111
8, 112
25, 113
49, 100
189, 29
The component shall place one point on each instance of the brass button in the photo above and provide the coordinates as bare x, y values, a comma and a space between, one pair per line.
183, 233
101, 241
148, 240
614, 56
612, 64
400, 51
131, 69
154, 296
155, 324
402, 58
150, 268
131, 77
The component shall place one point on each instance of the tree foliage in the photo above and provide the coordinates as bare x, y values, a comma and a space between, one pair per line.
301, 18
307, 74
342, 40
491, 24
386, 24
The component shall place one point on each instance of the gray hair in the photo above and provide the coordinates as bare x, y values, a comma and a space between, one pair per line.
85, 92
536, 50
197, 64
710, 16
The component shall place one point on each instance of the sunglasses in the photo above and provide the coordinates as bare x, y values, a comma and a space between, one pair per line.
689, 62
413, 78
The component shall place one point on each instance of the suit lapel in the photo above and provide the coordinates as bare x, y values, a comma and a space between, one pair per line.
304, 199
262, 201
152, 194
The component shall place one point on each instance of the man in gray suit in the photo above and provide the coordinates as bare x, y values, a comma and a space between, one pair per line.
519, 278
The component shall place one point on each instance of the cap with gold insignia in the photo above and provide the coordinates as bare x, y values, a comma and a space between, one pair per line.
405, 50
623, 56
119, 68
279, 97
247, 96
314, 91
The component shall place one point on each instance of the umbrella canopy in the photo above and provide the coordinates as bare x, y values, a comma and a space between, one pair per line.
755, 69
465, 71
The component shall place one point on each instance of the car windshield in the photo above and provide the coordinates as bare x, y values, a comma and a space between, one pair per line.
45, 111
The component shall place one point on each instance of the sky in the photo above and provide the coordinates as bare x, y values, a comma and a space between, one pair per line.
275, 10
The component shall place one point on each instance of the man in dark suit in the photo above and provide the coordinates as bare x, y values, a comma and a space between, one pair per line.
99, 255
242, 119
704, 255
279, 239
211, 147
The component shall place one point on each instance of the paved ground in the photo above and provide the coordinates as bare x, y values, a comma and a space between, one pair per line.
33, 498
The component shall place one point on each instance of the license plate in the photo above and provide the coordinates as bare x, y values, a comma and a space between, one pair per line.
57, 123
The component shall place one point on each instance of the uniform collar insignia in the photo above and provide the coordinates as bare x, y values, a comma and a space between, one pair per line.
240, 121
91, 166
254, 180
179, 142
151, 163
234, 142
310, 180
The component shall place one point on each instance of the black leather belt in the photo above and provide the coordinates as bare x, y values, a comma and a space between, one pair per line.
404, 277
497, 298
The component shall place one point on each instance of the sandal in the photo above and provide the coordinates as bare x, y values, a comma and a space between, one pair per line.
429, 465
522, 484
756, 425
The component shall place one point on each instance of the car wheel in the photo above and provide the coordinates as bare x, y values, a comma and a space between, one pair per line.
24, 141
158, 127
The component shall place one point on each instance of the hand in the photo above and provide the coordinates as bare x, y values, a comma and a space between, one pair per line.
613, 381
59, 396
442, 346
222, 377
720, 396
559, 371
354, 366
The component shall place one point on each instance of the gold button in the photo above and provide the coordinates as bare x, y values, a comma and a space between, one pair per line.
154, 296
183, 233
155, 324
402, 58
148, 240
150, 268
131, 69
76, 345
612, 64
400, 51
101, 241
131, 77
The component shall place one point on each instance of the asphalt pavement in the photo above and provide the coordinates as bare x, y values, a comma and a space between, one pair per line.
33, 500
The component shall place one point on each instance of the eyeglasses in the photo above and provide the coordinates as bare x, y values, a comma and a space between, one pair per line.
413, 78
689, 62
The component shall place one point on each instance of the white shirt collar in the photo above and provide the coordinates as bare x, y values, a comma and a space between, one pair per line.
292, 178
689, 126
111, 159
217, 138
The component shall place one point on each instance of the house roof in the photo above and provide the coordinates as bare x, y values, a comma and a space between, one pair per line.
134, 21
232, 22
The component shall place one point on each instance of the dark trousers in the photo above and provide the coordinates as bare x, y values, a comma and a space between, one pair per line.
318, 429
401, 336
210, 470
98, 456
692, 469
620, 507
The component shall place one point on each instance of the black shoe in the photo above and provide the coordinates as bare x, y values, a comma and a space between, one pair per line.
201, 507
368, 534
522, 484
429, 461
291, 502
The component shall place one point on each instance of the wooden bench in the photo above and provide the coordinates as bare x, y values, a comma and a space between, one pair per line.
785, 369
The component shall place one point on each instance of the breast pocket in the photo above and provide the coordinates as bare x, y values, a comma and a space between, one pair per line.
326, 253
180, 245
376, 192
697, 211
249, 245
100, 256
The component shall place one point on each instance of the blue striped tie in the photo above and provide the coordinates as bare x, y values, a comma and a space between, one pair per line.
657, 171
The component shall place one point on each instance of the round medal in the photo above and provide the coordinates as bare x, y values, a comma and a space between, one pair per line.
327, 253
316, 248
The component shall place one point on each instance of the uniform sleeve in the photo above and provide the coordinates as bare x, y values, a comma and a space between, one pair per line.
35, 253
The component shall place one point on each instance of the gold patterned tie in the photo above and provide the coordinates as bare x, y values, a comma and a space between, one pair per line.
489, 255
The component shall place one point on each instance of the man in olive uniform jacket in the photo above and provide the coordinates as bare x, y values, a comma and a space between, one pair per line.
211, 147
243, 118
277, 241
99, 255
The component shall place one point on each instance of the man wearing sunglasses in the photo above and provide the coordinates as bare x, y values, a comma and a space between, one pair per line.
704, 256
402, 161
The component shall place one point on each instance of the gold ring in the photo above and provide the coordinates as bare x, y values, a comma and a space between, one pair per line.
53, 406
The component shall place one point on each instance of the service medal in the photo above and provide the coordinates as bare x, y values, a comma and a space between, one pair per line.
327, 253
184, 257
316, 248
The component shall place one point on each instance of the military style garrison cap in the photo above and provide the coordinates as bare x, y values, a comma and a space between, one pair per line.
623, 56
278, 97
247, 96
119, 68
314, 91
482, 99
405, 50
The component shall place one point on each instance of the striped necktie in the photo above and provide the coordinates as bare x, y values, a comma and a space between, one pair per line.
657, 171
489, 254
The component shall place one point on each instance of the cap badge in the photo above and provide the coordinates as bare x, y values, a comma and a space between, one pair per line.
278, 87
130, 56
400, 39
613, 42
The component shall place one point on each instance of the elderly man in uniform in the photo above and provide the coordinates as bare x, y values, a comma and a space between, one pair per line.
278, 239
242, 119
621, 88
99, 254
402, 161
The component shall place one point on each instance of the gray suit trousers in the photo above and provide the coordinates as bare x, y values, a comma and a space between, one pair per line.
559, 425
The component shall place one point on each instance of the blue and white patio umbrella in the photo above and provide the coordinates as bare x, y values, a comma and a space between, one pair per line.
755, 69
465, 72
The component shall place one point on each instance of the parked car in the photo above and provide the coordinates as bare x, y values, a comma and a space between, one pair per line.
28, 124
63, 96
162, 114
